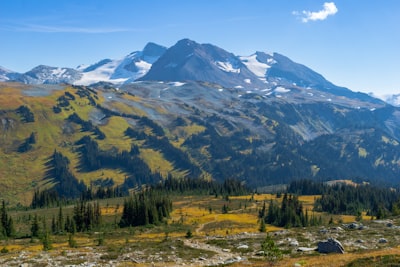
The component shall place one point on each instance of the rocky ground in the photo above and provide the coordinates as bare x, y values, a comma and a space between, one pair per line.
242, 249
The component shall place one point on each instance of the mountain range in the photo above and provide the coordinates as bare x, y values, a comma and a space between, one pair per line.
186, 60
192, 110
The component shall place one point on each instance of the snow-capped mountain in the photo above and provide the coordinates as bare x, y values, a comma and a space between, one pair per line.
188, 60
6, 74
191, 61
124, 70
49, 75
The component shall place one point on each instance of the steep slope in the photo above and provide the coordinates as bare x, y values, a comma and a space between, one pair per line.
278, 70
147, 130
190, 61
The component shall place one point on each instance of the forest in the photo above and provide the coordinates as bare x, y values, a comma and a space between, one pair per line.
351, 199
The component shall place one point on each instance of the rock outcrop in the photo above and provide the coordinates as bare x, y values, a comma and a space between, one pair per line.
330, 246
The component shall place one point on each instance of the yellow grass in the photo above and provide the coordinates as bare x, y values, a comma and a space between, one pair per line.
347, 218
117, 176
332, 260
111, 210
127, 109
114, 131
155, 160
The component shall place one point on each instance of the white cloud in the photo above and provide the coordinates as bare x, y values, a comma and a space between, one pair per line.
328, 10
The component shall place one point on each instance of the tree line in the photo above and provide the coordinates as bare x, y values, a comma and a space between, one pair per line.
349, 199
289, 213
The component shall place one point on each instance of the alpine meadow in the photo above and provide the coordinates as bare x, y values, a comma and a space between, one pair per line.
191, 155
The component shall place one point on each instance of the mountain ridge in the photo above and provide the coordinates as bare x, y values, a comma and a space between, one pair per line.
199, 62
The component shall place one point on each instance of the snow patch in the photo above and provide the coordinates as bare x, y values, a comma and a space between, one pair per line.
239, 87
255, 66
176, 84
247, 81
220, 90
58, 72
281, 90
227, 67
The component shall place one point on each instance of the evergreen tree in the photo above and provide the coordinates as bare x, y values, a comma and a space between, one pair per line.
7, 223
262, 226
35, 227
60, 220
271, 251
46, 241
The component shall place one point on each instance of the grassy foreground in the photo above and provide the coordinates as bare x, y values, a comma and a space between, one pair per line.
215, 238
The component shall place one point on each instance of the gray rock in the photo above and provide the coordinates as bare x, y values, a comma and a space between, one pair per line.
330, 246
353, 226
305, 249
338, 229
260, 253
243, 247
294, 243
382, 241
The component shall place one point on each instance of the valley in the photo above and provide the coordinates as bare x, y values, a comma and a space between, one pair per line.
146, 160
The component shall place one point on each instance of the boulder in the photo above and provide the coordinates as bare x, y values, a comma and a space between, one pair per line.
382, 240
305, 249
330, 246
260, 253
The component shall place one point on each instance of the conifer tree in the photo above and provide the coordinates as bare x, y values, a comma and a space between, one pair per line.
35, 227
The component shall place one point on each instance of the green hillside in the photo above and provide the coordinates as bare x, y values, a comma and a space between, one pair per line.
23, 172
60, 136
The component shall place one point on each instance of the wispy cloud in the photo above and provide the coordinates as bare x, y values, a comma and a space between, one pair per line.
64, 29
329, 9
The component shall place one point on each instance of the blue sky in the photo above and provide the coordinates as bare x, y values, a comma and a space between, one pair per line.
352, 43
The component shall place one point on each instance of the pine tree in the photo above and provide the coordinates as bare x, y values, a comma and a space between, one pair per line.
53, 225
71, 241
7, 223
46, 241
60, 221
262, 226
271, 251
35, 227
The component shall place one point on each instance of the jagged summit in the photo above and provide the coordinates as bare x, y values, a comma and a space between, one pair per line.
153, 50
188, 60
